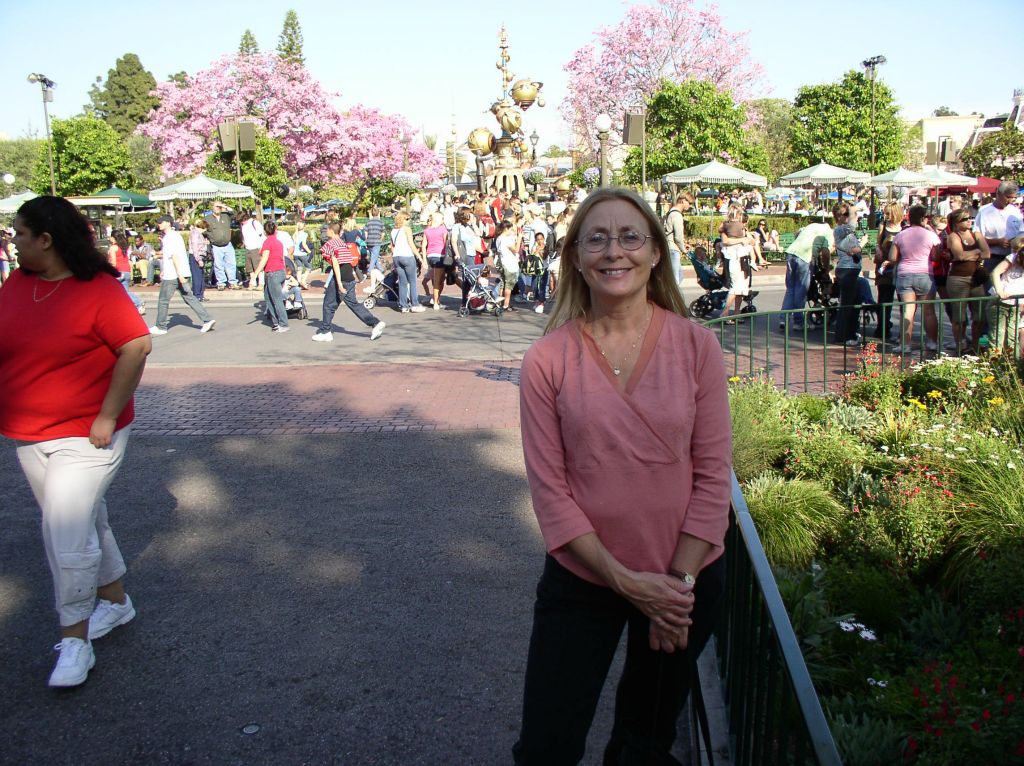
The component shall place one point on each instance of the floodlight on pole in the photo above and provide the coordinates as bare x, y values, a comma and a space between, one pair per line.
871, 66
47, 85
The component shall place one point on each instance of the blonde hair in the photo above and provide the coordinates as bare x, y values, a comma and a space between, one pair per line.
401, 217
350, 224
572, 300
435, 220
893, 213
734, 213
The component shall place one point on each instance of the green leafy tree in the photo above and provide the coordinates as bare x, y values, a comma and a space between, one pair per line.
912, 147
555, 151
945, 111
125, 99
832, 123
693, 122
772, 125
248, 45
18, 157
261, 170
88, 155
289, 44
145, 163
999, 155
181, 78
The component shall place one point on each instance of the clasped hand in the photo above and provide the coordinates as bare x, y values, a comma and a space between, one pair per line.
667, 602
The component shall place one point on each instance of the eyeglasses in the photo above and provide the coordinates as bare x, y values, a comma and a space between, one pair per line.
598, 241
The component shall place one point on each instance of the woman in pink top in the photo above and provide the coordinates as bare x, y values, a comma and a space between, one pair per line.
432, 247
912, 250
626, 436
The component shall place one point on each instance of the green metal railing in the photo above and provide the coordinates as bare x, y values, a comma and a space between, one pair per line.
774, 713
806, 358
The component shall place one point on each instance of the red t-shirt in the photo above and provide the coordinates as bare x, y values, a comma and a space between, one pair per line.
121, 262
57, 353
275, 261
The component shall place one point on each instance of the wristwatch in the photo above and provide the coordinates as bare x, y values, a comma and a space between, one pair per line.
686, 577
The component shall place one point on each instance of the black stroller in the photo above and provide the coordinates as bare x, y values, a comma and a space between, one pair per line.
822, 291
716, 290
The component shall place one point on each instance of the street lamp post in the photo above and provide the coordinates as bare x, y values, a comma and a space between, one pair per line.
871, 66
405, 138
603, 123
534, 139
47, 85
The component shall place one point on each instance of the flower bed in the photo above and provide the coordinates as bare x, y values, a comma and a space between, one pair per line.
893, 514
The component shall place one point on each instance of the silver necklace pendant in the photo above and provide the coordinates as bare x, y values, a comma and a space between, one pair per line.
616, 370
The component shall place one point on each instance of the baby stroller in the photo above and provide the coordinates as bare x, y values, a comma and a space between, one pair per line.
294, 310
821, 293
716, 288
481, 296
386, 290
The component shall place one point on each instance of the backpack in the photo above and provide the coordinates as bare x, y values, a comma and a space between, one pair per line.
667, 225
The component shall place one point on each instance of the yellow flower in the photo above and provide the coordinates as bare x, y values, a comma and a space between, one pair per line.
996, 401
734, 379
916, 403
989, 379
933, 394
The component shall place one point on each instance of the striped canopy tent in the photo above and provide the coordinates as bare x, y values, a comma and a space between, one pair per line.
823, 174
199, 188
12, 203
936, 177
717, 173
899, 177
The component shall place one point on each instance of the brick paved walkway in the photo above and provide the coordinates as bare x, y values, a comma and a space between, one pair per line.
344, 398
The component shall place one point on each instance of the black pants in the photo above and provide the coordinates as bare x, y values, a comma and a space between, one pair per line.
886, 294
849, 297
576, 630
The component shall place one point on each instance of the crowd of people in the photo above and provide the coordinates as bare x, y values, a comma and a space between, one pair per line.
974, 254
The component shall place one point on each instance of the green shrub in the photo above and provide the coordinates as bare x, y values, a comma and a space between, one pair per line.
877, 596
809, 409
791, 516
851, 418
760, 431
831, 456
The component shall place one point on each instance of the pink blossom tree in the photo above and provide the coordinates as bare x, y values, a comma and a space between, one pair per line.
669, 39
322, 145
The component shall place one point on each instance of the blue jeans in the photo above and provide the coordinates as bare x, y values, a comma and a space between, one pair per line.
798, 280
224, 265
273, 294
331, 303
198, 277
374, 257
675, 258
405, 265
126, 280
167, 288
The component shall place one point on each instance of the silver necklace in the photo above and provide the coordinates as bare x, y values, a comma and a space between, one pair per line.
617, 368
35, 288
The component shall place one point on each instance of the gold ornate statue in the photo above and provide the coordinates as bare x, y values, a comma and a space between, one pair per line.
510, 147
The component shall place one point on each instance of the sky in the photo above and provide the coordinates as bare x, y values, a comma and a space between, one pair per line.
434, 62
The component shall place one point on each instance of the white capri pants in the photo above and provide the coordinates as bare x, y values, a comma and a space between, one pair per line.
69, 478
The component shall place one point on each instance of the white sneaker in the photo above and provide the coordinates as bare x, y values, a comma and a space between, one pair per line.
418, 309
281, 328
288, 305
324, 337
154, 330
437, 307
377, 331
539, 308
74, 663
208, 325
298, 304
107, 615
142, 308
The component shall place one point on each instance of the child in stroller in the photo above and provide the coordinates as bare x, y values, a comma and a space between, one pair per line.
293, 302
481, 289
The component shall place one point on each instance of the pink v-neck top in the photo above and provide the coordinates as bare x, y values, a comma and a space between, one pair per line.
638, 467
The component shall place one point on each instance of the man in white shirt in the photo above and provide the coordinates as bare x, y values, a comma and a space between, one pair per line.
998, 222
175, 276
252, 241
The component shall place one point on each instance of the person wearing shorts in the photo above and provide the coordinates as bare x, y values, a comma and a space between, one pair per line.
914, 282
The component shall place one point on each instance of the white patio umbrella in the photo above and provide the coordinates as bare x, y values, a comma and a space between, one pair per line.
12, 203
898, 177
778, 192
823, 174
198, 188
935, 177
714, 172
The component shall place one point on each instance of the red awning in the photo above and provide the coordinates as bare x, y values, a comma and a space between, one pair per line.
985, 185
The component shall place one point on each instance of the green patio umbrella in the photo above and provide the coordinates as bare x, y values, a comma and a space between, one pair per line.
131, 199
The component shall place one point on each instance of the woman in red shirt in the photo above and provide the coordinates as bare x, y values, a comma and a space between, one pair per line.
117, 254
272, 264
72, 351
